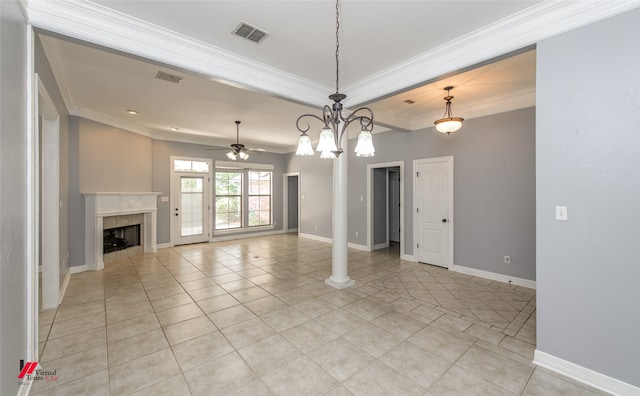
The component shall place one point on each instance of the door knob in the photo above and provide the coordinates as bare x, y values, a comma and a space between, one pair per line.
444, 220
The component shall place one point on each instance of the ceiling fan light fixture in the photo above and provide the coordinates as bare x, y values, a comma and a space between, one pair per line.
232, 155
448, 123
243, 155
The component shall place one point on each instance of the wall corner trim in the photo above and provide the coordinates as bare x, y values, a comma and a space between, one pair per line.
408, 257
495, 276
584, 375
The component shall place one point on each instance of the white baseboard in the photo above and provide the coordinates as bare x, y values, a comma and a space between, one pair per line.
292, 230
408, 257
165, 245
314, 237
495, 276
381, 245
585, 375
358, 246
65, 283
78, 268
242, 236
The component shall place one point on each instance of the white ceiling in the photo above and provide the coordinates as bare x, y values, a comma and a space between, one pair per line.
390, 51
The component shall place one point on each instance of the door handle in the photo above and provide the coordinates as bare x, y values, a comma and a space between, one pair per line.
444, 220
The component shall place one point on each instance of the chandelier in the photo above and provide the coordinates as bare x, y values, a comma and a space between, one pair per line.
330, 142
448, 123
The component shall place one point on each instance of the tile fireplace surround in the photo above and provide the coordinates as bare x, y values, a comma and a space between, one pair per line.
106, 204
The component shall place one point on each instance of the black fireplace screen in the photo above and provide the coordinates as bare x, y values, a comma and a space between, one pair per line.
121, 238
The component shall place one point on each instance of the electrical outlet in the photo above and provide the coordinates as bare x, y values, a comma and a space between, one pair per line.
316, 227
507, 259
356, 233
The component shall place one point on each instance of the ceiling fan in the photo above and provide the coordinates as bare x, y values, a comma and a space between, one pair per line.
239, 150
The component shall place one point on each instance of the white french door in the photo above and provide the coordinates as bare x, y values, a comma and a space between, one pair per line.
434, 211
191, 202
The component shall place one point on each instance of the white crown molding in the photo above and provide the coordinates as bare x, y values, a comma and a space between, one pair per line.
99, 25
585, 375
520, 30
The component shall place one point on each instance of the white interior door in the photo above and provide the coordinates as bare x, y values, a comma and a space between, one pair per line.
191, 203
434, 211
394, 206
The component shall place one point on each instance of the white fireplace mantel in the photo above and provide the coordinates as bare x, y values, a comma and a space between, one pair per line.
103, 204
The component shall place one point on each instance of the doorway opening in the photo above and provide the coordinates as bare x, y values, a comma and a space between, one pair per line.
385, 209
291, 210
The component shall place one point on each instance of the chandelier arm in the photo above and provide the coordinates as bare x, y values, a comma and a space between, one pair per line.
305, 130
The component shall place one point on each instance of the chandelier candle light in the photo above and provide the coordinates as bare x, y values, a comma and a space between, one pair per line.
448, 123
330, 146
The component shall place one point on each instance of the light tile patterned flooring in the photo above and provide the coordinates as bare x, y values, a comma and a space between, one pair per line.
254, 317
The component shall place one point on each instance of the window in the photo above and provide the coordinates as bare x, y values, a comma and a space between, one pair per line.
243, 197
190, 166
259, 198
228, 199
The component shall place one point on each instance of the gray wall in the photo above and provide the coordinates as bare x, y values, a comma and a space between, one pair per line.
13, 190
292, 202
162, 152
316, 191
379, 199
588, 158
102, 158
43, 69
494, 189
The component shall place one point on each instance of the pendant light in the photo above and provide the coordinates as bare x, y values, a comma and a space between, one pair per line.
448, 123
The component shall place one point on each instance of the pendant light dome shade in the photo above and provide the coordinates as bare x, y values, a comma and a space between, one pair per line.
448, 123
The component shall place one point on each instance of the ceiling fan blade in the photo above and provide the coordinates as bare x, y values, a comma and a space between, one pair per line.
256, 150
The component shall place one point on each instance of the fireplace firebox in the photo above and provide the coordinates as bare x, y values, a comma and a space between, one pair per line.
121, 238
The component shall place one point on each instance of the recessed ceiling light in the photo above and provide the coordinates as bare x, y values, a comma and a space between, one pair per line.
133, 112
174, 129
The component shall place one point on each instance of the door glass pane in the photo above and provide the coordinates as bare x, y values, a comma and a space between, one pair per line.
192, 206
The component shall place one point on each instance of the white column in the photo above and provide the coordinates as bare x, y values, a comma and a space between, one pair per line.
339, 265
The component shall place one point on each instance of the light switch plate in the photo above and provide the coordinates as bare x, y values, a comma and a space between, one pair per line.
561, 213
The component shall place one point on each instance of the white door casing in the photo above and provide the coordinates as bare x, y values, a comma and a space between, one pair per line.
433, 200
394, 206
370, 168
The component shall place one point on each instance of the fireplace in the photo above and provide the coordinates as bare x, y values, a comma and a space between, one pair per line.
105, 212
120, 238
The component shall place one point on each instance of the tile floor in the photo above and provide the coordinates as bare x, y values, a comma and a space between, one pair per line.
254, 317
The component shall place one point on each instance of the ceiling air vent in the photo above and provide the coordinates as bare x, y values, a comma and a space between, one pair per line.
249, 32
168, 77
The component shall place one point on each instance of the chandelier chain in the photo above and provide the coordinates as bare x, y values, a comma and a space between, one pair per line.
337, 44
